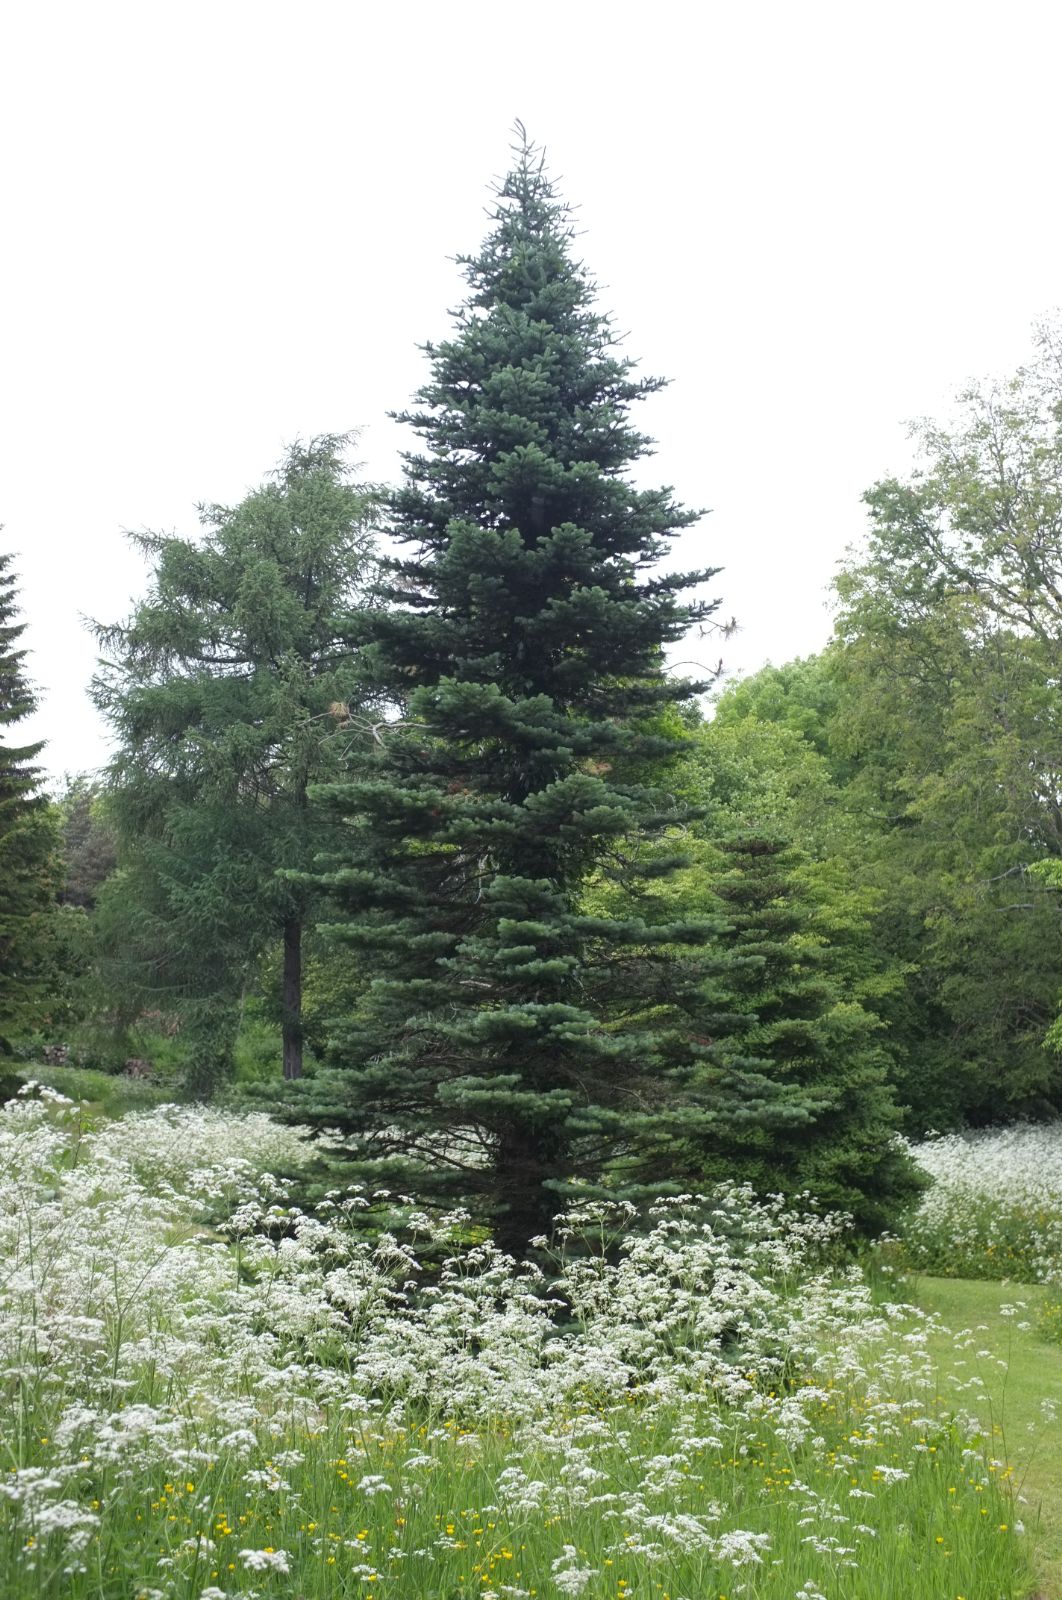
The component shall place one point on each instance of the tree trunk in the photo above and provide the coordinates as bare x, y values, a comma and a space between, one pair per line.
291, 998
523, 1206
208, 1034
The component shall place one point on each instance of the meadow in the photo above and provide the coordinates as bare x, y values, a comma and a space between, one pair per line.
994, 1206
210, 1392
983, 1249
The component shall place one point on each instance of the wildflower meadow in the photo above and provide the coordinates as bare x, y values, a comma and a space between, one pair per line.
212, 1393
993, 1208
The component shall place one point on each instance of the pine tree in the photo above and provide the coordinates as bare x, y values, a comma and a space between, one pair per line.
791, 1089
88, 847
28, 869
502, 1043
224, 688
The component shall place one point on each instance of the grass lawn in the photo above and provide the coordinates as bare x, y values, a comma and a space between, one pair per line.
1034, 1373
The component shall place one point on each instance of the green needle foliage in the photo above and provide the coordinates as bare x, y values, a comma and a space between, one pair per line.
789, 1085
496, 1046
88, 845
225, 688
28, 841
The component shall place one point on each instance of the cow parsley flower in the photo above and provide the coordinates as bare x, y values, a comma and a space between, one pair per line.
266, 1560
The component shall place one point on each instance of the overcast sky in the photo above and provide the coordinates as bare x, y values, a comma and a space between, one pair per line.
230, 224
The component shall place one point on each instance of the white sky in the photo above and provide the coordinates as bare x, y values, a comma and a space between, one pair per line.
229, 224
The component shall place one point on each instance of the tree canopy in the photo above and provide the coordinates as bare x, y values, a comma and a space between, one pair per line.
28, 855
226, 689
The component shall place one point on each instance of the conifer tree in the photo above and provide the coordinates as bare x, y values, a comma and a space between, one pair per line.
87, 841
525, 644
220, 687
28, 863
791, 1090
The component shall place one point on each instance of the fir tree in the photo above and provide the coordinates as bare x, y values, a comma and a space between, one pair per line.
224, 688
28, 869
502, 1043
790, 1090
88, 847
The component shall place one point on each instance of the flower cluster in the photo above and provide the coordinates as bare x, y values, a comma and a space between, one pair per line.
213, 1393
994, 1207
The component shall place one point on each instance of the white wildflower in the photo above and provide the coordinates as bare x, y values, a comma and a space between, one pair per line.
741, 1548
570, 1576
373, 1484
266, 1560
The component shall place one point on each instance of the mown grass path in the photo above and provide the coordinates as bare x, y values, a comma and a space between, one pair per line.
1033, 1374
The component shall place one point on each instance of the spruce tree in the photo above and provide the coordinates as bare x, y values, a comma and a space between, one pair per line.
502, 1044
791, 1087
28, 856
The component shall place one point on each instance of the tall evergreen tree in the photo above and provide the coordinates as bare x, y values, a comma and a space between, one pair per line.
220, 688
525, 645
791, 1089
28, 864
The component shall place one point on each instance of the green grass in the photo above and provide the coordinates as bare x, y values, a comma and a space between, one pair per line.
1033, 1374
102, 1094
403, 1512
